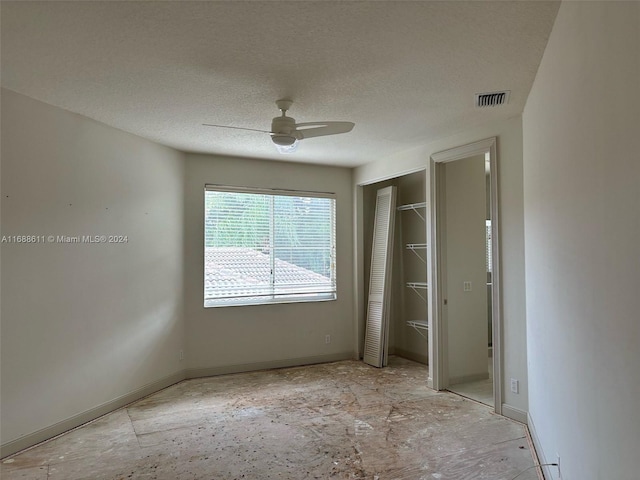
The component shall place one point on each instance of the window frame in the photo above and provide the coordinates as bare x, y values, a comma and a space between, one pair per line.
274, 298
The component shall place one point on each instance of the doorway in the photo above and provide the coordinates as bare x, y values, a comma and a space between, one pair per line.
464, 273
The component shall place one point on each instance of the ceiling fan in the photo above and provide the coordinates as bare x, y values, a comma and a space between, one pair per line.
286, 133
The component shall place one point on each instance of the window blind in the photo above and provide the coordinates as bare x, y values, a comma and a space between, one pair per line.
268, 246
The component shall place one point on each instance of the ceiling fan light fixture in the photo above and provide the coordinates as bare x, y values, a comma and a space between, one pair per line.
289, 148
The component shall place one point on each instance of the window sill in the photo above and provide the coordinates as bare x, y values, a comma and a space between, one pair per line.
274, 301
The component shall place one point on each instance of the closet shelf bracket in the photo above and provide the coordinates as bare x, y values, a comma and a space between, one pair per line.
414, 207
417, 246
418, 326
416, 287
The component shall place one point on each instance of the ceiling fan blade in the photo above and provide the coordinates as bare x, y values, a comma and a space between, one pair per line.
322, 128
235, 128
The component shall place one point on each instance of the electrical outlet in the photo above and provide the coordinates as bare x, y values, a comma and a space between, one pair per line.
181, 355
466, 286
558, 462
515, 386
327, 339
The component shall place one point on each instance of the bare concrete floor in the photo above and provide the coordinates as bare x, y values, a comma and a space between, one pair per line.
343, 420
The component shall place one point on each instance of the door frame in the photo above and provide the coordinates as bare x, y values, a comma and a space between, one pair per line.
438, 342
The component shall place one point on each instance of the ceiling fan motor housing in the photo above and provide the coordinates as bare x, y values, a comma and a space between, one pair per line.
282, 131
283, 140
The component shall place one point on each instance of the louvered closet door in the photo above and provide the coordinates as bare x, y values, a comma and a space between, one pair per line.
377, 329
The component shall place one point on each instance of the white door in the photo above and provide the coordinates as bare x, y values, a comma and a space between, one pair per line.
377, 328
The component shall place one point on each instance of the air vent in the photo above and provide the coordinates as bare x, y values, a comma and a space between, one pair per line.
492, 99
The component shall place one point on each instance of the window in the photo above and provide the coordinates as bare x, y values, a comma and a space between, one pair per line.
268, 246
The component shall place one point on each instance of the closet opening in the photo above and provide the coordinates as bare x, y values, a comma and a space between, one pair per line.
403, 330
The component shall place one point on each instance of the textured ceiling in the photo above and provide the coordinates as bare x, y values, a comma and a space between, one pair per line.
404, 72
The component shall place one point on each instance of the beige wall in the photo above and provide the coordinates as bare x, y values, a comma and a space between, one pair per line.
509, 152
84, 325
464, 244
226, 339
582, 217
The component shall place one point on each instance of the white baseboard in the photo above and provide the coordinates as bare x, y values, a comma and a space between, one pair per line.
547, 471
31, 439
515, 414
268, 365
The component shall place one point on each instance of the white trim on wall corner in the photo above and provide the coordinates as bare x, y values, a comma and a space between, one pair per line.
47, 433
